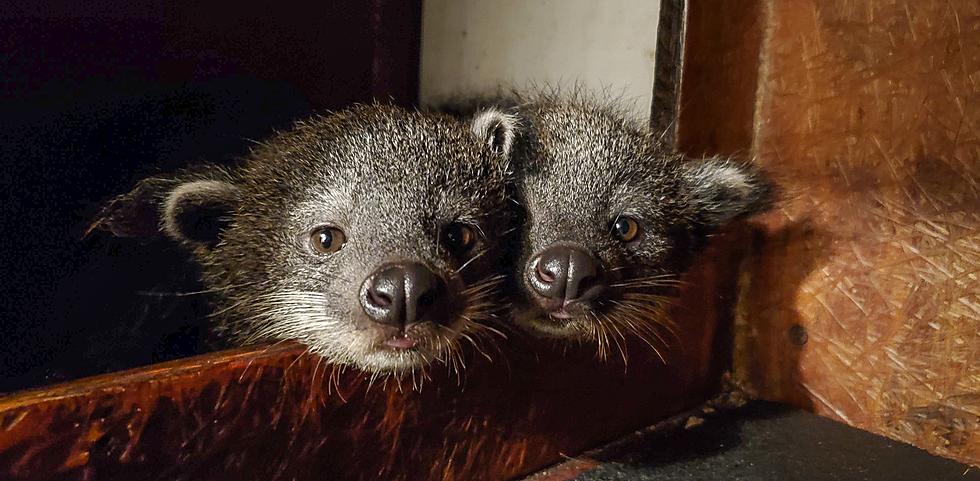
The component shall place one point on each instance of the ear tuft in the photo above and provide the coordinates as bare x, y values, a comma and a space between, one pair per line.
722, 190
496, 129
195, 212
136, 213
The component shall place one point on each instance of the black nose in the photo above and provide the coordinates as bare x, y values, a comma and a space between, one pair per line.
400, 294
565, 273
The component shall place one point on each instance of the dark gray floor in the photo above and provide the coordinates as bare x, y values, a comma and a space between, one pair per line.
767, 442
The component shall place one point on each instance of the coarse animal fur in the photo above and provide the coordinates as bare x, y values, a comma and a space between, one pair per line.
391, 180
582, 166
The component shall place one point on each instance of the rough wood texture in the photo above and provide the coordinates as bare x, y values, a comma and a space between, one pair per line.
274, 414
862, 300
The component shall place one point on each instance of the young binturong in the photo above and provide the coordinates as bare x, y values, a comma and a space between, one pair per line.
372, 235
613, 218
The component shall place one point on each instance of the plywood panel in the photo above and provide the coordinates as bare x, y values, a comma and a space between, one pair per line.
722, 39
863, 300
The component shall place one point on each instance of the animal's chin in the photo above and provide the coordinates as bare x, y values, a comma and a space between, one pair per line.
401, 342
391, 350
394, 361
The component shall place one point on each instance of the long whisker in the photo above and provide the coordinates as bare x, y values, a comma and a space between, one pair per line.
195, 293
659, 280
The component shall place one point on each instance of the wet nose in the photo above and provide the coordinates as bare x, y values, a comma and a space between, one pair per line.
400, 294
565, 273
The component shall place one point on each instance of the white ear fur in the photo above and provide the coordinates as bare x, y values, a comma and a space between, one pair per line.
497, 129
722, 190
191, 203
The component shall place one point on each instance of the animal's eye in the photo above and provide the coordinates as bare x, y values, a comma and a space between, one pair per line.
626, 229
327, 240
459, 237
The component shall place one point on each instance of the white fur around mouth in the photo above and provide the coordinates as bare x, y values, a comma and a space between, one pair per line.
401, 342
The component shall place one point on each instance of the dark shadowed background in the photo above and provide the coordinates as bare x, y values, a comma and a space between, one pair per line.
94, 98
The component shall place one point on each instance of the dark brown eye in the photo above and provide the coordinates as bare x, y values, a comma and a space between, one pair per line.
626, 229
459, 237
327, 240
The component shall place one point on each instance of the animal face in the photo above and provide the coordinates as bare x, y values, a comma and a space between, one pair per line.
372, 235
612, 219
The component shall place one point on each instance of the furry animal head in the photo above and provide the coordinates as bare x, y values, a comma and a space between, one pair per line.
371, 235
612, 218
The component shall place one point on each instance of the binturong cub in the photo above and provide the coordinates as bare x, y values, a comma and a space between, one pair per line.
613, 219
371, 235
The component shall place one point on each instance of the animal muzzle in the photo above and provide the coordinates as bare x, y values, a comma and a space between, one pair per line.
402, 294
562, 274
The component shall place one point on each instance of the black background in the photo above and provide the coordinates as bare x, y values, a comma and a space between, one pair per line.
93, 98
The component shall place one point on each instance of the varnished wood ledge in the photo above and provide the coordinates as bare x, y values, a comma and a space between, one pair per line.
272, 413
167, 372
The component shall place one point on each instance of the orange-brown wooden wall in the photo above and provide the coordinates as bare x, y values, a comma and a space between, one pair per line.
861, 300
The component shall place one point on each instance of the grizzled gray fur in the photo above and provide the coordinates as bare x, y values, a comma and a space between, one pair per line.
372, 235
613, 218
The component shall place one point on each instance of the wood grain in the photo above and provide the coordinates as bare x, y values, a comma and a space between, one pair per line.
720, 75
273, 413
862, 298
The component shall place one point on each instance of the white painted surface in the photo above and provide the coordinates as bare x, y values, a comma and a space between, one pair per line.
479, 46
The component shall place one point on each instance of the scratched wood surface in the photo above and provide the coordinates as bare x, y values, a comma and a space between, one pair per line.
862, 299
271, 413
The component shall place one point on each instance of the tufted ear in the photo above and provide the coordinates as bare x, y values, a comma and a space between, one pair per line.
496, 129
721, 190
135, 213
189, 208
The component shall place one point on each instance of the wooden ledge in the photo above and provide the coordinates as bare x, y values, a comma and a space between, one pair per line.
274, 413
